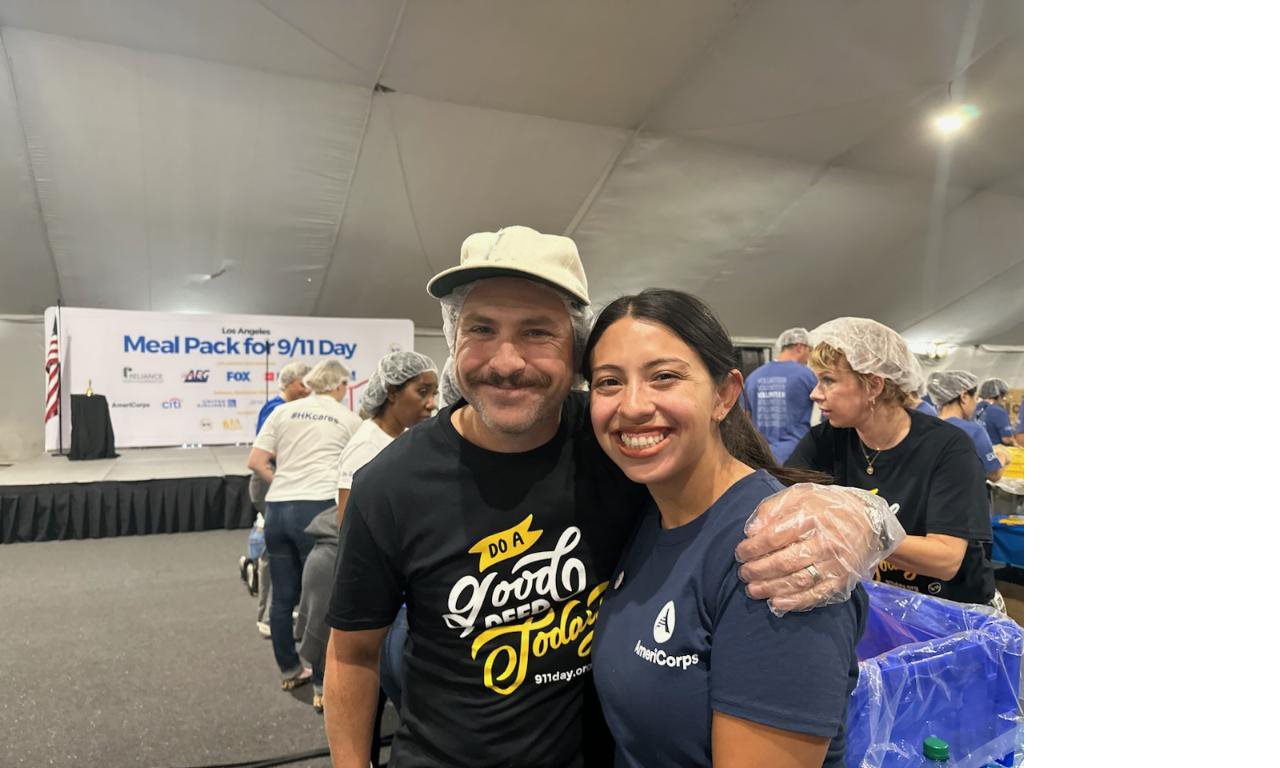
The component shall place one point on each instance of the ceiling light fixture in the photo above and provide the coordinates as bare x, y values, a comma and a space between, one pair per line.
954, 117
952, 120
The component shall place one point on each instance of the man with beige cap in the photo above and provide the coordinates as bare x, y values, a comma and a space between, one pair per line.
499, 523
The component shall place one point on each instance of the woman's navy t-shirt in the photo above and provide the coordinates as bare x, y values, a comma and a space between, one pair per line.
677, 637
986, 453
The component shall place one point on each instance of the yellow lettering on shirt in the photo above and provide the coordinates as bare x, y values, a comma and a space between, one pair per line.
502, 545
507, 664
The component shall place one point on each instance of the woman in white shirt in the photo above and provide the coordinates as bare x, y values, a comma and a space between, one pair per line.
399, 394
304, 438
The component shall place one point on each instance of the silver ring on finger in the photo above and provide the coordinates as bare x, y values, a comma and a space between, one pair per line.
813, 571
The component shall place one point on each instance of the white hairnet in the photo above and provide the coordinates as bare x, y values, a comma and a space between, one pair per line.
993, 388
327, 376
292, 372
395, 368
871, 348
789, 337
579, 317
449, 392
945, 386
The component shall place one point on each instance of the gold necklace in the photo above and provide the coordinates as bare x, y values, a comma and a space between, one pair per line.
870, 459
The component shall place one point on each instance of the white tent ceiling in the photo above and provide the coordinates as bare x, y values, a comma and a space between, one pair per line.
773, 157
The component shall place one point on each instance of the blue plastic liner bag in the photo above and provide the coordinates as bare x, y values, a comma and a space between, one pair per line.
932, 667
257, 540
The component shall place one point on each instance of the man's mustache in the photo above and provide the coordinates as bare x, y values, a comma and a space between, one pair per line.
524, 379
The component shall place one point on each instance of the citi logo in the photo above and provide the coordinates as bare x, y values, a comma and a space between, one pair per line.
172, 404
196, 376
665, 624
238, 376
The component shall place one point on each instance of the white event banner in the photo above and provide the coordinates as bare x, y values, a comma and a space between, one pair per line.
200, 379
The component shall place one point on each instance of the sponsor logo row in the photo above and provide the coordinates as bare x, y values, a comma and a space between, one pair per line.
176, 403
207, 424
131, 375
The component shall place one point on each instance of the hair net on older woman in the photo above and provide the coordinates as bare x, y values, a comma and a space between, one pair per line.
789, 337
292, 372
945, 386
393, 369
871, 348
451, 310
327, 376
993, 388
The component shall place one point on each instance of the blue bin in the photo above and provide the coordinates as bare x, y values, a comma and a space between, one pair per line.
932, 667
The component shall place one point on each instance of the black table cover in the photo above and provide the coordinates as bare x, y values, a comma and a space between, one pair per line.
91, 433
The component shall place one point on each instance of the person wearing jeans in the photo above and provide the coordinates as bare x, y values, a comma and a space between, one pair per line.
304, 438
288, 545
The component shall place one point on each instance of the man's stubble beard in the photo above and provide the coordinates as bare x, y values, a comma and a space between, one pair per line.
548, 406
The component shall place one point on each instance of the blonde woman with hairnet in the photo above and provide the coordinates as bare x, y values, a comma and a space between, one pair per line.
874, 440
297, 453
400, 393
955, 392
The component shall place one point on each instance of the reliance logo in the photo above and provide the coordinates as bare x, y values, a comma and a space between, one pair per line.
196, 377
172, 404
130, 376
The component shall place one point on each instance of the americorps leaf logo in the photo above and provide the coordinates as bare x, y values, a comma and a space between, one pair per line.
665, 624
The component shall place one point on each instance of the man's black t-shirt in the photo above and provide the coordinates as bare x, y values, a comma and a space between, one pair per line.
937, 481
502, 560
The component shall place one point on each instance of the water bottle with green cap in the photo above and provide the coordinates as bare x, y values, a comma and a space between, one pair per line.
936, 751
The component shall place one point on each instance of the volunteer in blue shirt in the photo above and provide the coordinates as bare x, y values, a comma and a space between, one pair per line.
1022, 422
291, 388
957, 392
690, 671
777, 393
923, 403
991, 412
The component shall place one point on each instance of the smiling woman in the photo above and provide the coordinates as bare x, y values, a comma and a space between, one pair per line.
664, 406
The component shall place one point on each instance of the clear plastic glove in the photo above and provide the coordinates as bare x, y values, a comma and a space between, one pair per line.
808, 546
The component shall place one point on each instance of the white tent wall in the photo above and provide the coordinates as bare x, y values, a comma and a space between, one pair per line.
773, 158
28, 276
983, 363
22, 380
193, 168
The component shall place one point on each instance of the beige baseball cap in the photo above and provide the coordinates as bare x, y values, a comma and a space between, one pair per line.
516, 252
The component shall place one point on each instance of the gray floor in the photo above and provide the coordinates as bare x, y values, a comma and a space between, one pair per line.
140, 651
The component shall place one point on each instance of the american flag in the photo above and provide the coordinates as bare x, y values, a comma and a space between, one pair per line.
53, 384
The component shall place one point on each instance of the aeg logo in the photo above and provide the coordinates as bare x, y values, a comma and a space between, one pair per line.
196, 376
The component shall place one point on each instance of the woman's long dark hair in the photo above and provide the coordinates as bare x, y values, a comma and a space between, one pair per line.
688, 317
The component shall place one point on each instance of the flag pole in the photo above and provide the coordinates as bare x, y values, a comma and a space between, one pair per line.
60, 377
